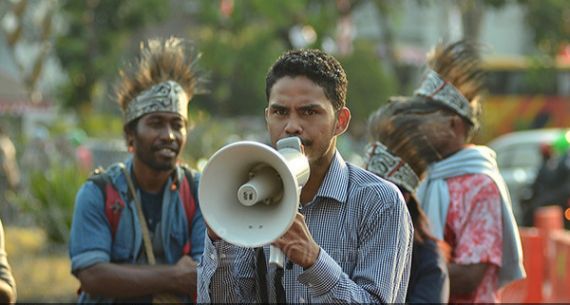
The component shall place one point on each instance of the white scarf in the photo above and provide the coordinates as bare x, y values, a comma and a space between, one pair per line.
433, 195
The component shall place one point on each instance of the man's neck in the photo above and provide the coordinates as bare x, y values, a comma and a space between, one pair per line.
149, 180
319, 169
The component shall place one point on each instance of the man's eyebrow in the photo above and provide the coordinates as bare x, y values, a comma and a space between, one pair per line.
277, 106
310, 107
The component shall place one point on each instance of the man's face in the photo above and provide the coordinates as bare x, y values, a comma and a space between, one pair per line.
299, 107
444, 131
158, 139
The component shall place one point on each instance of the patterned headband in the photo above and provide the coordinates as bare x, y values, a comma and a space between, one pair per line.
386, 165
443, 92
167, 96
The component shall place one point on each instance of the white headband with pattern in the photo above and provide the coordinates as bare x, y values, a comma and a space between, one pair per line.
383, 163
444, 93
167, 96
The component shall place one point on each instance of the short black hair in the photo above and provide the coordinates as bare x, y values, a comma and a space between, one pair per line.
318, 66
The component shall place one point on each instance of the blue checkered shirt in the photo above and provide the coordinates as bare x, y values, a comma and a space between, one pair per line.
365, 233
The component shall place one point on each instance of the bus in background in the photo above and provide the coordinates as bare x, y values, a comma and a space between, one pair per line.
524, 94
527, 107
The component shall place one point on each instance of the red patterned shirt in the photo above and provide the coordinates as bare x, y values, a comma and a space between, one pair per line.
474, 231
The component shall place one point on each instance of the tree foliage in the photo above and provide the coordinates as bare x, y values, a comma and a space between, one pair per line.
549, 22
97, 33
240, 46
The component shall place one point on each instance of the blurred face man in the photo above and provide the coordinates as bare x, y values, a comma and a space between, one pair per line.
157, 139
299, 107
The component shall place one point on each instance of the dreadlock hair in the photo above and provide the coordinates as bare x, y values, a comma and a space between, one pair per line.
396, 125
158, 61
419, 220
318, 66
459, 63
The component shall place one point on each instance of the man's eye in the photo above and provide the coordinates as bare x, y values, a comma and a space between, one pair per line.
309, 112
279, 111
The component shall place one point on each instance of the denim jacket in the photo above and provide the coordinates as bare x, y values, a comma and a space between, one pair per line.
91, 241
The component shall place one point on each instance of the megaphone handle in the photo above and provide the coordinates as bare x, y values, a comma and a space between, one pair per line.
276, 256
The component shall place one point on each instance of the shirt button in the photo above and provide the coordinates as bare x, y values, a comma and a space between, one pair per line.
222, 256
310, 284
212, 256
301, 300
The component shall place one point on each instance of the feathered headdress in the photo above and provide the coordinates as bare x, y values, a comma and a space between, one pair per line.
396, 126
162, 78
455, 79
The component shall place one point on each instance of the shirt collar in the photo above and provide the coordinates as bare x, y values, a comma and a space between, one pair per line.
335, 184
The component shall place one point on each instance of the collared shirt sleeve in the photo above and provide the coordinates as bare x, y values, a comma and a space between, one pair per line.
474, 215
226, 274
198, 232
198, 224
90, 240
383, 262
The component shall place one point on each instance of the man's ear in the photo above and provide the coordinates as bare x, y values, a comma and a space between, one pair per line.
129, 135
342, 120
459, 125
460, 129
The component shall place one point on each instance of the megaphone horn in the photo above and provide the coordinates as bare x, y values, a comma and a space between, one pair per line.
249, 192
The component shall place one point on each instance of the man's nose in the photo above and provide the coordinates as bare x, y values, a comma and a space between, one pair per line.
168, 133
293, 127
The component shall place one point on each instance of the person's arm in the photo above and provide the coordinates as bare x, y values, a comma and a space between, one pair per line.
431, 280
7, 293
90, 251
226, 274
7, 283
382, 258
464, 279
128, 281
9, 163
198, 232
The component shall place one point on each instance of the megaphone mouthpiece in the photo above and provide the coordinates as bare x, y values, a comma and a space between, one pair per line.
264, 185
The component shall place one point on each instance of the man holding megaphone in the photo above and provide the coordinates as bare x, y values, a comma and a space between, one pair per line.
348, 237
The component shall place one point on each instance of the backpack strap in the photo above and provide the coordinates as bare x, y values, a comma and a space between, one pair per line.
187, 193
114, 204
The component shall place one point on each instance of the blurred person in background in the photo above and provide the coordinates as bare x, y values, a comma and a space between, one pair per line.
552, 183
9, 173
7, 283
150, 251
351, 241
393, 154
463, 194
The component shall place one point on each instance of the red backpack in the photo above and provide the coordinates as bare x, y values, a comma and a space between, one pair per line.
114, 204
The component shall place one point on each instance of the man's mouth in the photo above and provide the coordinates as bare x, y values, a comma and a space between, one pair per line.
167, 152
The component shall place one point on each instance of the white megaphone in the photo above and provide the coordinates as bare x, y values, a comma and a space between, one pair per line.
249, 192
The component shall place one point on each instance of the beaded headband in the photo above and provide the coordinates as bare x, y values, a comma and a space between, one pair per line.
167, 96
383, 163
441, 91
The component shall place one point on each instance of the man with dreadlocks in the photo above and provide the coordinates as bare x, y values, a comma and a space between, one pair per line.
463, 194
111, 256
393, 154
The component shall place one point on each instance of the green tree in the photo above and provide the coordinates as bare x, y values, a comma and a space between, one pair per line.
30, 24
369, 84
549, 21
240, 43
97, 34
